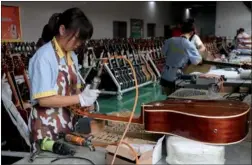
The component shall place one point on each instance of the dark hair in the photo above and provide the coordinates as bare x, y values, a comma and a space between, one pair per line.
74, 20
241, 30
40, 43
46, 34
187, 27
190, 20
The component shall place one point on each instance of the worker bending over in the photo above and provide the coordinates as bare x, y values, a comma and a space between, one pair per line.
179, 51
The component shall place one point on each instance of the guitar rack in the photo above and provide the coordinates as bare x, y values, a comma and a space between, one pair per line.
119, 91
148, 59
88, 61
117, 77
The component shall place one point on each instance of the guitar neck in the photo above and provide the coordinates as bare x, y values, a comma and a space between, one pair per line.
106, 117
114, 118
225, 64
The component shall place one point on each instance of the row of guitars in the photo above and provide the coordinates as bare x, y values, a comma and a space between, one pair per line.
13, 51
18, 47
121, 69
154, 50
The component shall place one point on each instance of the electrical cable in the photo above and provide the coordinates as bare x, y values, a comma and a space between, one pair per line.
73, 157
133, 111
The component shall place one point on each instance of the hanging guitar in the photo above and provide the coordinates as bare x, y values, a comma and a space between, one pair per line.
20, 67
114, 69
123, 67
130, 57
148, 67
22, 107
216, 122
119, 70
138, 68
8, 68
126, 65
143, 66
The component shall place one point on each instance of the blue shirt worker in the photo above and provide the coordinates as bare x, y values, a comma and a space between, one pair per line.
179, 51
55, 84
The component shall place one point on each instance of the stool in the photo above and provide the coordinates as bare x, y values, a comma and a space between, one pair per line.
184, 151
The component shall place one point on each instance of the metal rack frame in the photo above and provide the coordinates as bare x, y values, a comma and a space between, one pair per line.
148, 58
119, 91
90, 67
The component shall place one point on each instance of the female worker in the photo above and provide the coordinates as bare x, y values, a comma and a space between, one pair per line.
53, 75
195, 39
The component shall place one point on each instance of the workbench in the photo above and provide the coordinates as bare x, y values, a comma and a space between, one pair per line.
235, 154
228, 83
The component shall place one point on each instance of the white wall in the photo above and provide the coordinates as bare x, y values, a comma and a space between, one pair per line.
34, 15
231, 16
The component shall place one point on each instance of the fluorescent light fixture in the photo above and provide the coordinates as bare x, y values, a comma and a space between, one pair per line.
151, 2
187, 13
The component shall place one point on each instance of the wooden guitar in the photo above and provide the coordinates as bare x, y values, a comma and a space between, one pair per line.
126, 65
121, 69
158, 62
113, 69
126, 72
203, 68
8, 70
143, 66
223, 64
148, 68
216, 122
138, 67
130, 56
206, 65
20, 66
23, 107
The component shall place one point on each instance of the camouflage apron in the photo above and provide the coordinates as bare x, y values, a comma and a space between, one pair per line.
48, 122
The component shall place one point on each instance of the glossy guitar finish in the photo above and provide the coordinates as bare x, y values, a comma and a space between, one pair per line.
145, 61
215, 122
142, 66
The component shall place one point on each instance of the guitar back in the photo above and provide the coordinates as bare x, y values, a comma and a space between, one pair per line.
219, 122
204, 68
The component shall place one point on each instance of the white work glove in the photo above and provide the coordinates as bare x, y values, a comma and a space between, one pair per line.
88, 96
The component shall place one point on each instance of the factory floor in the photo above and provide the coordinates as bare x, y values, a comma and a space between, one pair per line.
146, 94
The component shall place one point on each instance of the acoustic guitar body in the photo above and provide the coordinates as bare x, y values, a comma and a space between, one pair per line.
217, 122
203, 68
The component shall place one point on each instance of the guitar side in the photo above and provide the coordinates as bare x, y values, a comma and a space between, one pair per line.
209, 130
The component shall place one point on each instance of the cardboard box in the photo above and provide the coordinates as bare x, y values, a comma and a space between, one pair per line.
147, 153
